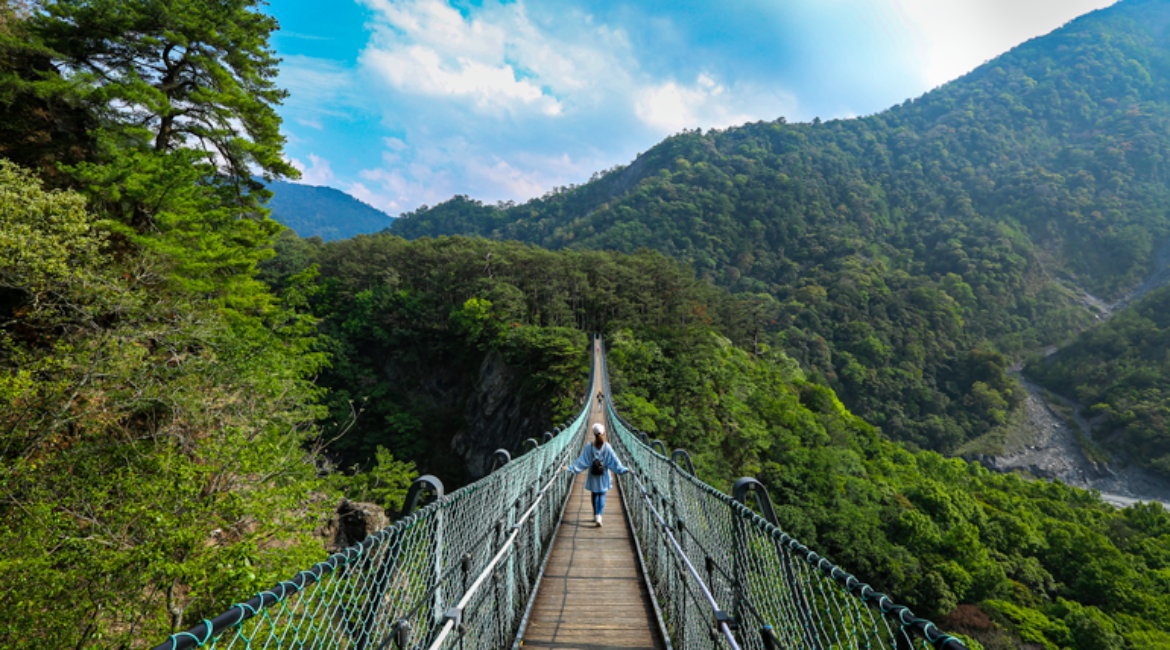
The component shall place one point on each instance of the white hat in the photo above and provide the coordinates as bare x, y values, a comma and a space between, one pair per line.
599, 429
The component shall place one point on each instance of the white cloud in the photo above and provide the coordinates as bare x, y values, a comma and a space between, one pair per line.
512, 181
319, 89
670, 107
509, 100
420, 70
953, 37
363, 194
402, 190
319, 171
426, 47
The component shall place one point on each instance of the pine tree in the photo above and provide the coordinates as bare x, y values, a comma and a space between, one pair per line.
183, 99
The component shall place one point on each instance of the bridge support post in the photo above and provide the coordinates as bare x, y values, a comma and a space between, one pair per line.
738, 561
497, 540
500, 457
740, 491
510, 576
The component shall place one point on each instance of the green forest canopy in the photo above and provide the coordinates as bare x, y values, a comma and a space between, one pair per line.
1006, 561
156, 405
159, 426
897, 246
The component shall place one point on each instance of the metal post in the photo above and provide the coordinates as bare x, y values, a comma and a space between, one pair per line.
437, 552
510, 576
497, 536
500, 457
739, 560
740, 491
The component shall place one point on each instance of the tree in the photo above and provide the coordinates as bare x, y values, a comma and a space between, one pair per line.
38, 130
182, 96
168, 75
152, 448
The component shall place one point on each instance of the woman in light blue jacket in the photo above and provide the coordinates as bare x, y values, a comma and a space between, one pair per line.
598, 483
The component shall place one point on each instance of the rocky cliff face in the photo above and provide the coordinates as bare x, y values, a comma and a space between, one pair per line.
497, 417
489, 404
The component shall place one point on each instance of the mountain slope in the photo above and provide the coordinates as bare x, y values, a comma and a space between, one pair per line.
1011, 563
907, 251
1121, 370
314, 211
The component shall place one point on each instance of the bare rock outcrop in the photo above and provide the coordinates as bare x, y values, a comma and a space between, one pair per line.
1054, 453
352, 522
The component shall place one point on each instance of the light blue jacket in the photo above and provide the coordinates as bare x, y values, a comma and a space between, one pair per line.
585, 460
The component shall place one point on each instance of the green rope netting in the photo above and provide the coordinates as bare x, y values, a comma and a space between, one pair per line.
779, 593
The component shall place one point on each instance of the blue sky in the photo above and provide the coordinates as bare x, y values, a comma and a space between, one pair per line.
408, 102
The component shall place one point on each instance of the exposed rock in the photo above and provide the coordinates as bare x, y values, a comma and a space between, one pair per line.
1055, 453
353, 522
497, 416
492, 408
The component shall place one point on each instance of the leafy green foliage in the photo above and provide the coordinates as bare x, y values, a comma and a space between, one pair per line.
159, 113
156, 420
414, 328
151, 446
1043, 563
385, 483
173, 75
1121, 371
896, 244
1052, 565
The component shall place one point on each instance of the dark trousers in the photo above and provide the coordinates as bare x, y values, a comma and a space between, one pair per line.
598, 502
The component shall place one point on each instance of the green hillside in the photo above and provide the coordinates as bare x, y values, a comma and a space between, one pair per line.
157, 408
1120, 371
313, 211
907, 250
1011, 563
181, 379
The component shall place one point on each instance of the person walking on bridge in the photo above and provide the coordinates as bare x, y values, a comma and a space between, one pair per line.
599, 458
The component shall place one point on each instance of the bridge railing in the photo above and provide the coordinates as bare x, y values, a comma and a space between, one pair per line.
725, 576
459, 572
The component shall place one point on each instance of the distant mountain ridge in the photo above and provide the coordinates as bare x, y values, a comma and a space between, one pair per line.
325, 212
903, 255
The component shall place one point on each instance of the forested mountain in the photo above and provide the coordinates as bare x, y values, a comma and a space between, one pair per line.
314, 211
180, 378
907, 252
414, 329
1010, 563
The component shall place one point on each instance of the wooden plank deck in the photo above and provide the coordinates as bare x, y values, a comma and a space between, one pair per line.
592, 596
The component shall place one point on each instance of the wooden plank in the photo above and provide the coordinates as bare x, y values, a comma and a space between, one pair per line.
592, 596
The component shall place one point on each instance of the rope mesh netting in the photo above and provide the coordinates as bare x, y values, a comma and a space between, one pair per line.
457, 573
724, 576
460, 572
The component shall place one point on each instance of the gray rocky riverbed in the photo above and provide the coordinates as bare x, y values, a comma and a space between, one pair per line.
1049, 447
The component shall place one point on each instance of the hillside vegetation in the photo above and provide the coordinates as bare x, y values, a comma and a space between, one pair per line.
1120, 371
179, 378
157, 414
313, 211
410, 325
907, 250
1010, 563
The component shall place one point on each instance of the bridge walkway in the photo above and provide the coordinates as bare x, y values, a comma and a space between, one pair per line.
593, 595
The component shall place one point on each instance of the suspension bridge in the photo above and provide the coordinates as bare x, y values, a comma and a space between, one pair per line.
515, 559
